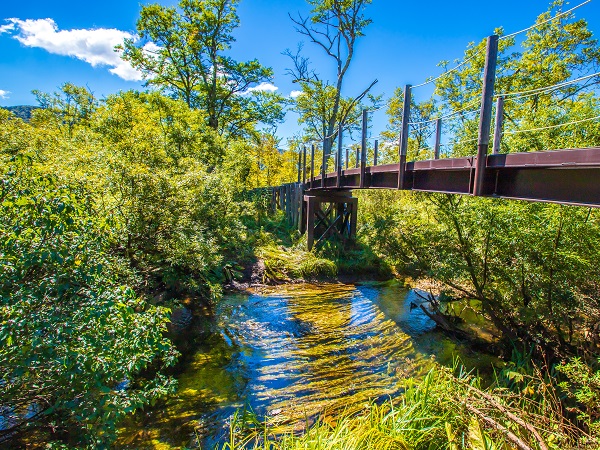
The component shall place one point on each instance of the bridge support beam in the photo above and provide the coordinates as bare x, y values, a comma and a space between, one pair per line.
330, 214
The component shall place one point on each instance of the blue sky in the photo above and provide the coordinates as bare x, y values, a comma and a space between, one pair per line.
403, 44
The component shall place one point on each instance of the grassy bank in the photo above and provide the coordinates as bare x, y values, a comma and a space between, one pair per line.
447, 409
282, 256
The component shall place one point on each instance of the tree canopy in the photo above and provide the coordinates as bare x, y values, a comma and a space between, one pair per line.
183, 52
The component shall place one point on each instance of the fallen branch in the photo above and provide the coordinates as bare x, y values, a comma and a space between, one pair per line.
511, 416
491, 422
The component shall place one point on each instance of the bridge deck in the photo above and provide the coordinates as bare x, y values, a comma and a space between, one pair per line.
562, 176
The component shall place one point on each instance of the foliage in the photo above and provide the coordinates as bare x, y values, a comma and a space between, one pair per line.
531, 265
183, 51
583, 385
334, 26
155, 167
70, 106
282, 264
261, 163
72, 338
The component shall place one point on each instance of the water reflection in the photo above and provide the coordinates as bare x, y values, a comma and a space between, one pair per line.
293, 352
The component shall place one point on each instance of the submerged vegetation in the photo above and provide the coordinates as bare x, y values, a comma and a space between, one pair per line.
113, 212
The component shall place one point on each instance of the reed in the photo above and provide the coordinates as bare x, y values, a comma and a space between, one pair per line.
446, 409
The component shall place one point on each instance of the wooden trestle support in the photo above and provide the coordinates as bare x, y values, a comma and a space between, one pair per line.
320, 214
330, 214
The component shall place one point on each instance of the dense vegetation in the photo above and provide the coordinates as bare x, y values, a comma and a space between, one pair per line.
112, 210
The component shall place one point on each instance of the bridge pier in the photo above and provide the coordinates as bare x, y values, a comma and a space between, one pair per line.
329, 214
321, 214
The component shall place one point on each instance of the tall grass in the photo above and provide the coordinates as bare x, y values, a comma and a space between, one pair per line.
444, 410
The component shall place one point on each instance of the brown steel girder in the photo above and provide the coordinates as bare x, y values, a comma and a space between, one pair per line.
563, 176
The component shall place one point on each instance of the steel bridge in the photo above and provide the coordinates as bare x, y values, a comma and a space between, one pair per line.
322, 204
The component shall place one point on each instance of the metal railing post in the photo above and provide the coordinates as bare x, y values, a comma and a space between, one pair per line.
485, 117
363, 149
499, 124
403, 144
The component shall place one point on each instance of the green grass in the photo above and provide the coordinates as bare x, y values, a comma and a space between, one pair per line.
441, 411
285, 264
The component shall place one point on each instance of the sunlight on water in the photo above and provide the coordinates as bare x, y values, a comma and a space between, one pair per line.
291, 353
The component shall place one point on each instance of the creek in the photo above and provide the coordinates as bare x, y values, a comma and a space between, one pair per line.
295, 352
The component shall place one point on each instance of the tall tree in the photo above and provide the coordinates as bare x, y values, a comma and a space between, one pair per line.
334, 26
182, 51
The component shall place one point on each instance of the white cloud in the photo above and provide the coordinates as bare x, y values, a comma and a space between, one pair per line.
4, 94
94, 46
8, 27
295, 94
264, 86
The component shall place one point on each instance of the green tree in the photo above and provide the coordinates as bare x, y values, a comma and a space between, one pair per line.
334, 26
183, 51
73, 341
72, 105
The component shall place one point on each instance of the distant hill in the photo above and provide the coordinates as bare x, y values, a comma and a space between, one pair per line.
22, 111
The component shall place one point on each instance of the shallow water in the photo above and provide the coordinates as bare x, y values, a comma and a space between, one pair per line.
294, 352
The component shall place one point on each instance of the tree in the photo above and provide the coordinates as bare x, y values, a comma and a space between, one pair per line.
72, 105
421, 113
183, 52
334, 26
73, 340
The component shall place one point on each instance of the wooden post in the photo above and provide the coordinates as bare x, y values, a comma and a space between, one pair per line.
304, 165
363, 149
357, 158
338, 165
312, 165
288, 203
375, 152
498, 125
324, 164
347, 157
438, 137
353, 217
299, 165
485, 116
403, 145
310, 220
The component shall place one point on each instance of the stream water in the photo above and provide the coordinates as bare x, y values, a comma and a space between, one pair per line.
295, 352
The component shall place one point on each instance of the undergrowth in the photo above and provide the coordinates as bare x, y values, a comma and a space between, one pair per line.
282, 249
447, 409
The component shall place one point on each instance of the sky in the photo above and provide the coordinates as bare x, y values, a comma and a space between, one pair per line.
44, 44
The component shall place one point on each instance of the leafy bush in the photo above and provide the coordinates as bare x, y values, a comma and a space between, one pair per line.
72, 340
583, 386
